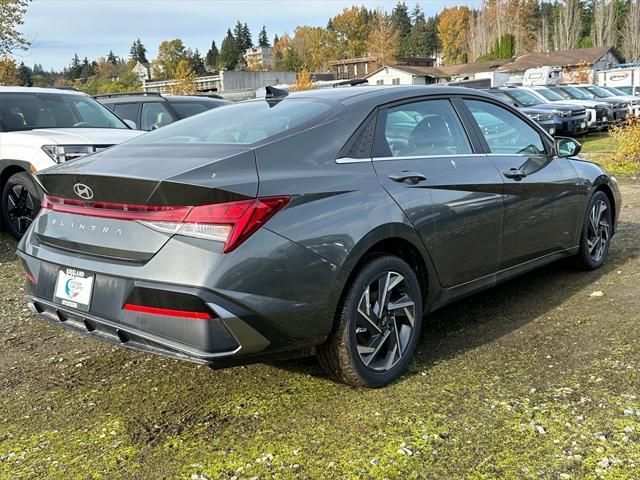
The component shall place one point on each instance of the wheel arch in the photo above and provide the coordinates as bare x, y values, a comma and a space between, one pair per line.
11, 167
396, 239
601, 184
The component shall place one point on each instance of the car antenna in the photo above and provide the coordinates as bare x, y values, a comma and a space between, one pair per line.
274, 95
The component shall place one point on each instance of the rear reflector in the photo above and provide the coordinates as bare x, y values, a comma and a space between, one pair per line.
231, 222
31, 278
167, 312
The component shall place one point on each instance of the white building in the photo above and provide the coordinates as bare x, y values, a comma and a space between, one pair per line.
406, 75
259, 58
143, 71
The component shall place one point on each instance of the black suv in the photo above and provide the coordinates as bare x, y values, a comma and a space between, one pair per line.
153, 110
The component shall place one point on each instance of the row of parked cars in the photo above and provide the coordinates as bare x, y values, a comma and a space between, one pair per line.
571, 109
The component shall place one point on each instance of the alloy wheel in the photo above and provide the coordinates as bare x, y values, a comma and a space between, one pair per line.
385, 322
21, 208
598, 232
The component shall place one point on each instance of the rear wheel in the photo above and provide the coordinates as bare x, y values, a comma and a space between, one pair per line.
20, 203
378, 325
596, 232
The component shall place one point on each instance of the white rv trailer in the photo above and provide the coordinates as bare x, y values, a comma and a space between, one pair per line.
546, 75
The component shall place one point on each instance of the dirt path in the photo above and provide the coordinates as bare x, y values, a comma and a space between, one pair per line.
538, 378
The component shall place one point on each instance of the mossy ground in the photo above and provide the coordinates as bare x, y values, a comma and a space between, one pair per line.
537, 378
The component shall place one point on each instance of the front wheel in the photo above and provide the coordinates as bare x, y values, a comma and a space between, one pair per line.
596, 232
377, 327
20, 203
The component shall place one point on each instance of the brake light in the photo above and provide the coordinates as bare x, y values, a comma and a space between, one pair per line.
132, 307
231, 223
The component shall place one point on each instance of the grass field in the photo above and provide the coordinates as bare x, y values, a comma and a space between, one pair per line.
537, 378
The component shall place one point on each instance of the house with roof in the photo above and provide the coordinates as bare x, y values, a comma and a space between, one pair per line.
406, 75
574, 62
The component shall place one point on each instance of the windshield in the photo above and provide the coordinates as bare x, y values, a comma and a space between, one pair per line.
599, 91
615, 91
502, 96
241, 123
551, 95
525, 98
577, 93
29, 111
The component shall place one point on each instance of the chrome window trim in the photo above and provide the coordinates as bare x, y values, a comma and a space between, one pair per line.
352, 160
421, 157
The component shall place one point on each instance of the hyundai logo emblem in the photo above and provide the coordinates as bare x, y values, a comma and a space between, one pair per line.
83, 191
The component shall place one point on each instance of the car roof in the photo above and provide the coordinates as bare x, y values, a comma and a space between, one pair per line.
346, 94
40, 90
156, 98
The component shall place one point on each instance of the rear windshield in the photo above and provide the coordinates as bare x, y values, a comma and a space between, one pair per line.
241, 123
29, 111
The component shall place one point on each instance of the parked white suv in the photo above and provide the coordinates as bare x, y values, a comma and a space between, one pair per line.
40, 127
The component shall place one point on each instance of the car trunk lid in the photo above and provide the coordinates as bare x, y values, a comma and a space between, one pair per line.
94, 202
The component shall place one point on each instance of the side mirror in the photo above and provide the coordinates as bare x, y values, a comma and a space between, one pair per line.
132, 125
567, 147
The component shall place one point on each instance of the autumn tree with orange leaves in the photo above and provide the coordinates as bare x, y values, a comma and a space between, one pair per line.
453, 30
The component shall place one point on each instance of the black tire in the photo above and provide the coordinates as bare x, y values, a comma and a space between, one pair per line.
595, 237
20, 203
375, 352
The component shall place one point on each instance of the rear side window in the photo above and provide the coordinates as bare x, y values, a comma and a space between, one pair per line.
127, 111
504, 131
242, 123
154, 115
429, 127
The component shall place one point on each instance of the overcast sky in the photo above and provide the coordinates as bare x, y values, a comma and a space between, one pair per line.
59, 28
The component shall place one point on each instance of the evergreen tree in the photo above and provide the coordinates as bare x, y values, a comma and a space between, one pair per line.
504, 46
433, 44
402, 24
263, 40
211, 58
417, 44
138, 52
197, 63
242, 36
229, 52
25, 75
112, 59
74, 70
86, 69
276, 39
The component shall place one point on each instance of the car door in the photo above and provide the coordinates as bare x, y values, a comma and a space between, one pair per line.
448, 189
541, 204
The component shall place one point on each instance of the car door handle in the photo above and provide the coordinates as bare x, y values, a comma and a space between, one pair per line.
411, 178
514, 173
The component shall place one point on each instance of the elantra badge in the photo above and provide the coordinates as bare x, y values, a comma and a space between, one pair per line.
83, 191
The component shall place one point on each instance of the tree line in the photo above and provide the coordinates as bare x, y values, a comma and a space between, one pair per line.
498, 29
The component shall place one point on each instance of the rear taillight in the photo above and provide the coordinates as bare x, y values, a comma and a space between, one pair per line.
231, 223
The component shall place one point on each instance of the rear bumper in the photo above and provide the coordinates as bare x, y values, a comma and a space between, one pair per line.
123, 335
259, 301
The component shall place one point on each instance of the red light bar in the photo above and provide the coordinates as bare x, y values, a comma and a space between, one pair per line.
167, 312
239, 219
121, 211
